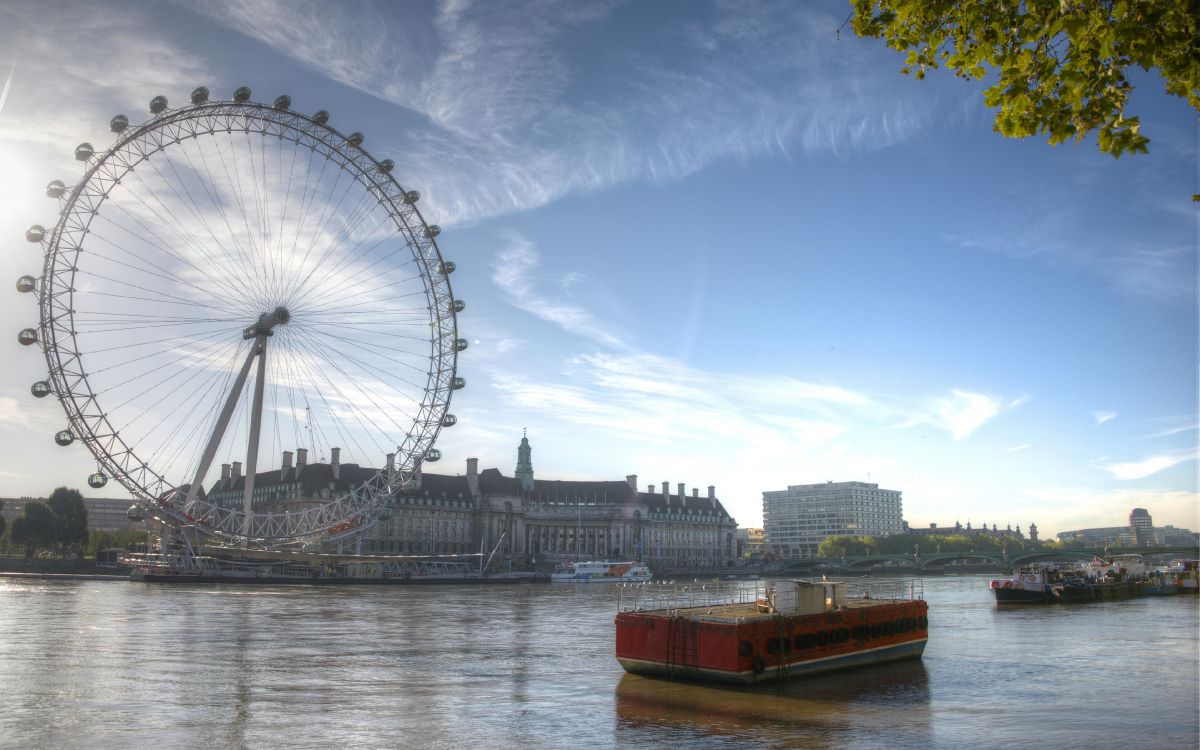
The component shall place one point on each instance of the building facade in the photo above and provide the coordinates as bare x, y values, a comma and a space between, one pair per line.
103, 513
528, 520
798, 519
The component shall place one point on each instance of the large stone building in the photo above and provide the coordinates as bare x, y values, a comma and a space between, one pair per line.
531, 521
798, 519
1141, 532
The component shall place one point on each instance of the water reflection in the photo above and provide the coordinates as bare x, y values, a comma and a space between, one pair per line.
890, 703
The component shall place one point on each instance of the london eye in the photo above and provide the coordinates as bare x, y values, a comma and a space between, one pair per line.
229, 281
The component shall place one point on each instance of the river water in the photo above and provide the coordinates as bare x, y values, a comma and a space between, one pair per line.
114, 664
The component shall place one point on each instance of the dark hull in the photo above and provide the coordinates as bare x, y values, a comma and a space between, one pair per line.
1020, 596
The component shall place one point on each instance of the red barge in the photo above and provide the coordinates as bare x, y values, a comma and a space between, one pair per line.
747, 635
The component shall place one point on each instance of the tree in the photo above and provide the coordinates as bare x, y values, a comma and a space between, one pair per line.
1061, 63
34, 528
70, 518
3, 520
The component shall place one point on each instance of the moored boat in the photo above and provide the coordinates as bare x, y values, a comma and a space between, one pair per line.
790, 628
1042, 583
602, 572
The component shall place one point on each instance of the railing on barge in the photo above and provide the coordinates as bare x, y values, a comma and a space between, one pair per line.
673, 597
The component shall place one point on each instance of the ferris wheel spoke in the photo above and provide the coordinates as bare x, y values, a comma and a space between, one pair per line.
218, 292
223, 333
385, 409
353, 220
175, 225
367, 300
375, 349
315, 377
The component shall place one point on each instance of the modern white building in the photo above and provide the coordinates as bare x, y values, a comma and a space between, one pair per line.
798, 519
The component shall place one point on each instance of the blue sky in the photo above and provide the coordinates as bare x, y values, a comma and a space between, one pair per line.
709, 243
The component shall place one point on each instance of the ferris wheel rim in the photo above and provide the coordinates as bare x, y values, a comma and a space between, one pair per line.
352, 511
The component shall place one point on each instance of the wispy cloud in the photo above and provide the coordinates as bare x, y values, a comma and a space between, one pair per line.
1130, 470
498, 86
7, 86
961, 413
1102, 416
516, 273
1017, 448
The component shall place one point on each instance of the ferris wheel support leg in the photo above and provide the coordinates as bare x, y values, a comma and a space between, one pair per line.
260, 345
219, 431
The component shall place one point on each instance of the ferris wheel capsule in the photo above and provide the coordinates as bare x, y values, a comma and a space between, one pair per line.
282, 102
446, 267
118, 123
40, 389
460, 345
355, 138
242, 95
136, 513
97, 480
200, 95
411, 197
321, 117
64, 437
27, 336
158, 104
387, 165
35, 233
449, 420
84, 151
55, 189
433, 454
458, 305
433, 230
458, 383
26, 284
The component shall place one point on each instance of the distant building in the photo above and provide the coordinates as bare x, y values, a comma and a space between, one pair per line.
1140, 532
750, 543
798, 519
531, 520
1007, 532
1142, 526
104, 513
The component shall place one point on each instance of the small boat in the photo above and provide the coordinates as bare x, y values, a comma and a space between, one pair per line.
1042, 583
791, 628
602, 572
1186, 574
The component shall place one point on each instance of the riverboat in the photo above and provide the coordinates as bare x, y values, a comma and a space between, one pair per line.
1039, 584
783, 629
1186, 574
260, 567
602, 572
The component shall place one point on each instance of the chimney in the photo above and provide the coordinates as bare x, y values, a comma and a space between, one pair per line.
631, 480
667, 493
237, 470
301, 457
391, 467
287, 459
335, 462
473, 476
696, 492
682, 497
649, 489
712, 492
225, 471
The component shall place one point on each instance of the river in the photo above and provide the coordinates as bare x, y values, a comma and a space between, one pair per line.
114, 664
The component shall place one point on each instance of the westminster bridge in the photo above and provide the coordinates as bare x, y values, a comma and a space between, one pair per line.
936, 561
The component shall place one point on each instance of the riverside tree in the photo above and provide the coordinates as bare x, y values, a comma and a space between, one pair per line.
35, 528
1060, 64
70, 519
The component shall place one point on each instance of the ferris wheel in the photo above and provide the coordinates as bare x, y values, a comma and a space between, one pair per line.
231, 281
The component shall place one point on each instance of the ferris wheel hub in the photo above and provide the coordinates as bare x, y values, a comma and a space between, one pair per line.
267, 321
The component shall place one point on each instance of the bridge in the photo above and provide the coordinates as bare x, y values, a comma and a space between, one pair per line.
934, 561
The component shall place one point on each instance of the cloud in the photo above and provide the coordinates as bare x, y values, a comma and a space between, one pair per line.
522, 92
1017, 448
515, 272
1102, 416
1059, 509
11, 413
961, 413
1149, 466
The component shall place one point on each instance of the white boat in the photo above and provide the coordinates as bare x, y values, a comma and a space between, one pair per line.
601, 572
